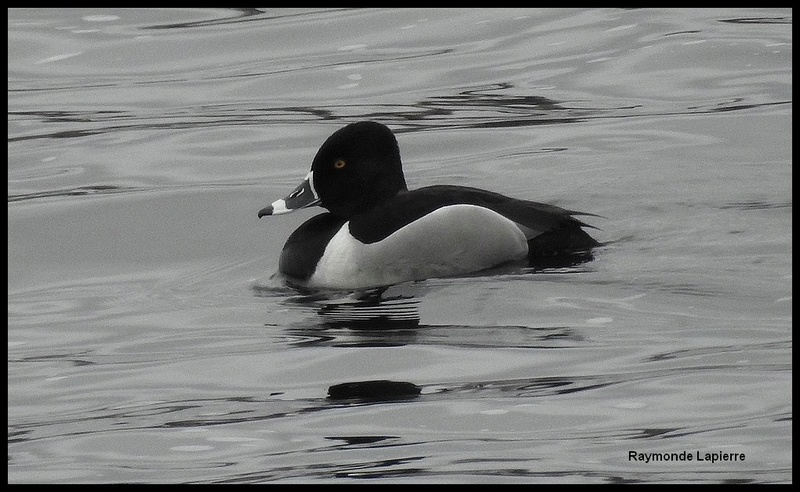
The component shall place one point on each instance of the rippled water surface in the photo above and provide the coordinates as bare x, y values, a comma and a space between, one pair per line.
149, 339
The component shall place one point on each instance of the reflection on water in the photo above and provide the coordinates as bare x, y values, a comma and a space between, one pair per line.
138, 351
390, 316
386, 335
395, 307
391, 307
375, 390
499, 105
228, 16
79, 191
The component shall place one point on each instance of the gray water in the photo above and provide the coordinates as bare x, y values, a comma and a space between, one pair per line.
149, 339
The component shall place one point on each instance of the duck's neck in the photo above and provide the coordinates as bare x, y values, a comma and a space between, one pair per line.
368, 196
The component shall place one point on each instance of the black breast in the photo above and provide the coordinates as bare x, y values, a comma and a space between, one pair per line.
306, 245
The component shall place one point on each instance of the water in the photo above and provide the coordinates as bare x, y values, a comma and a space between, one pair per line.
149, 340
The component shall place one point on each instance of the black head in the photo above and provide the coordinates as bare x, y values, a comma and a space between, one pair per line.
356, 168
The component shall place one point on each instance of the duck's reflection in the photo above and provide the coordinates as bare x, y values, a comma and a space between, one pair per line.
374, 391
398, 324
397, 306
390, 315
394, 307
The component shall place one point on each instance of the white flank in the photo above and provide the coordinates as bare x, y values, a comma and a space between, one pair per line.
451, 240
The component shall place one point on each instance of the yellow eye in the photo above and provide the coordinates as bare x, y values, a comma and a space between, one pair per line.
339, 164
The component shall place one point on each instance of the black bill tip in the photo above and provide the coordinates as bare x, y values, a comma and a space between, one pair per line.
265, 211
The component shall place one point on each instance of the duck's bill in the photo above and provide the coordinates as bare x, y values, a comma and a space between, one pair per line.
303, 196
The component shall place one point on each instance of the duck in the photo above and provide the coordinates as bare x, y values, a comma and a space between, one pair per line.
376, 232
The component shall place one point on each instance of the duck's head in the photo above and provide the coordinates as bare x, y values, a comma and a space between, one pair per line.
355, 169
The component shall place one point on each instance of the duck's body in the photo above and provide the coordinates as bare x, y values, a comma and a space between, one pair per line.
379, 233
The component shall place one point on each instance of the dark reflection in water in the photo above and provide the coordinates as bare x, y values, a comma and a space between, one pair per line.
378, 320
241, 15
498, 105
371, 313
236, 16
387, 308
390, 315
758, 20
755, 205
362, 441
705, 351
191, 413
374, 390
72, 192
79, 359
479, 336
202, 413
